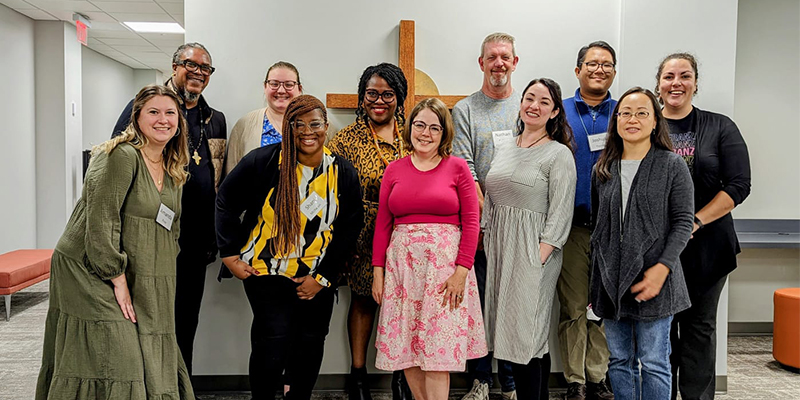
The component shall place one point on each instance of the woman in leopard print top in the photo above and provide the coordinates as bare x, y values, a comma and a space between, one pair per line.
370, 144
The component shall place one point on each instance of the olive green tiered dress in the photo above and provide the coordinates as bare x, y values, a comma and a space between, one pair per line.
90, 350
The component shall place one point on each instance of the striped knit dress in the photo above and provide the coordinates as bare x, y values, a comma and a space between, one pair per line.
530, 197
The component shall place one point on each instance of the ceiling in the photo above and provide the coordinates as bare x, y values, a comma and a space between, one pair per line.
108, 36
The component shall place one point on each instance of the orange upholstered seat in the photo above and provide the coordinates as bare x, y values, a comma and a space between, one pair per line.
20, 269
786, 327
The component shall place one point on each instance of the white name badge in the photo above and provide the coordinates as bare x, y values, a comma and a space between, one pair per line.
312, 205
597, 141
502, 137
165, 217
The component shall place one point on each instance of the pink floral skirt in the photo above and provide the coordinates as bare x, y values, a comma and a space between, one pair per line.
414, 329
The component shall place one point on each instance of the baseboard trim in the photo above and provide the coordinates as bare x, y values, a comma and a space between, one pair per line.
459, 383
721, 384
749, 328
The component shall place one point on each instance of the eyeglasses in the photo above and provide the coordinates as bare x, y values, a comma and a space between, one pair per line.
194, 67
592, 66
314, 126
628, 114
420, 126
288, 85
387, 96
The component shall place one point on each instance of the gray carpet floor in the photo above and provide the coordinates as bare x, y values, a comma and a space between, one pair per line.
752, 372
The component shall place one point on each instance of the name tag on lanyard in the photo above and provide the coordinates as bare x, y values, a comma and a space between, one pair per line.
597, 141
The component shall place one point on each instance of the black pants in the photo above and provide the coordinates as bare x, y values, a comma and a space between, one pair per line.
481, 368
287, 333
190, 281
532, 379
694, 345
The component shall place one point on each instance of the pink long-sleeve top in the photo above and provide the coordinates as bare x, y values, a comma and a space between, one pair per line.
445, 195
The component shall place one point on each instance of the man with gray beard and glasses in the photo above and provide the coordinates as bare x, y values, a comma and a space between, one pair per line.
483, 121
191, 72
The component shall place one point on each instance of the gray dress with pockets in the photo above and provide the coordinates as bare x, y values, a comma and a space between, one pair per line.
530, 195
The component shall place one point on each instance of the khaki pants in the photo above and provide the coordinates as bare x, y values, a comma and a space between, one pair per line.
584, 352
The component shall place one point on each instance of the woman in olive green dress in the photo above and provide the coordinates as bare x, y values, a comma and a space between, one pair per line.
110, 330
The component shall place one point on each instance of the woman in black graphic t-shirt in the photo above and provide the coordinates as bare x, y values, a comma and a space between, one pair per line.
717, 157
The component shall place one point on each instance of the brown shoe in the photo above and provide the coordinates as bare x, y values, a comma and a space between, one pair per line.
599, 391
576, 391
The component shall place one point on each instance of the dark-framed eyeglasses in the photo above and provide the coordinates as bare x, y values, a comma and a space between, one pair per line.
373, 95
420, 126
288, 85
300, 126
592, 66
195, 67
638, 114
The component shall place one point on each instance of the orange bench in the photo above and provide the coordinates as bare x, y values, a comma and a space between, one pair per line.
786, 327
20, 269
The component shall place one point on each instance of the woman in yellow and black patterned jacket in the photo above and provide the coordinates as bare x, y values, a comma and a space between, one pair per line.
302, 214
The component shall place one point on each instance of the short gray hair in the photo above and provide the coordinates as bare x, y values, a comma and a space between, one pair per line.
176, 58
499, 37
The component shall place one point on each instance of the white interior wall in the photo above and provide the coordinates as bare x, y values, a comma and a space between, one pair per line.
17, 111
447, 48
767, 104
767, 98
107, 87
760, 273
58, 127
144, 77
448, 37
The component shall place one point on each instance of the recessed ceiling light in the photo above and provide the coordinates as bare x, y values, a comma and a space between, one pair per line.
155, 27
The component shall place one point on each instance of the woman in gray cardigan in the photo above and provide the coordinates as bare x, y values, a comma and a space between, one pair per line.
643, 201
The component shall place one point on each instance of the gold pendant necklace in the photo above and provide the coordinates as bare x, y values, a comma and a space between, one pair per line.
395, 142
196, 157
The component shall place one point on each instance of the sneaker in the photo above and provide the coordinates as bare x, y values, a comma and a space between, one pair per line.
599, 391
479, 391
512, 395
576, 391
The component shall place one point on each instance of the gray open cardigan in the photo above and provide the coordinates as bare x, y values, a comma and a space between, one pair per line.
657, 225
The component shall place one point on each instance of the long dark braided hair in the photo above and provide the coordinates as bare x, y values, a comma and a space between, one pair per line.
287, 195
396, 80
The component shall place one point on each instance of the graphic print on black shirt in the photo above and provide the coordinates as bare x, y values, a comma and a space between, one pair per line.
684, 139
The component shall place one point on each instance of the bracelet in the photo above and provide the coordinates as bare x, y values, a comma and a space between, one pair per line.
699, 223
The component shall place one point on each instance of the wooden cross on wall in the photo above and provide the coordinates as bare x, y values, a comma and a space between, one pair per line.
406, 63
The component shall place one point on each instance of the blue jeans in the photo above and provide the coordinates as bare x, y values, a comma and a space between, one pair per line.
481, 368
624, 338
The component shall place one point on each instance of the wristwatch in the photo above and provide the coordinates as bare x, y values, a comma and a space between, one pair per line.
699, 223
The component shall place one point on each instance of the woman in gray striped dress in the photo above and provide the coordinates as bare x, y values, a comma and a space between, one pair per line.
530, 192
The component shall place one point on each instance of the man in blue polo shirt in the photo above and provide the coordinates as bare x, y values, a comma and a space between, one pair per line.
582, 342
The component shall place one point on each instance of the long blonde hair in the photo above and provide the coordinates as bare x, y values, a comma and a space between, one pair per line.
176, 152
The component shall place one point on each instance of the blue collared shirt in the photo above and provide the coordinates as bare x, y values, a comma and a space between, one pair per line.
584, 121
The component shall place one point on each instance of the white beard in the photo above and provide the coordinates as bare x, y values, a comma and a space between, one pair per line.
190, 97
498, 81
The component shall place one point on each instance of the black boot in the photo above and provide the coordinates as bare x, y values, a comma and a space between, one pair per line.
400, 389
357, 386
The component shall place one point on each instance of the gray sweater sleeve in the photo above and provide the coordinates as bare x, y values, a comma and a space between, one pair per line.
680, 212
463, 142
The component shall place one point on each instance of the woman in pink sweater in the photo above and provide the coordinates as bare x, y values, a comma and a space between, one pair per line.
426, 234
